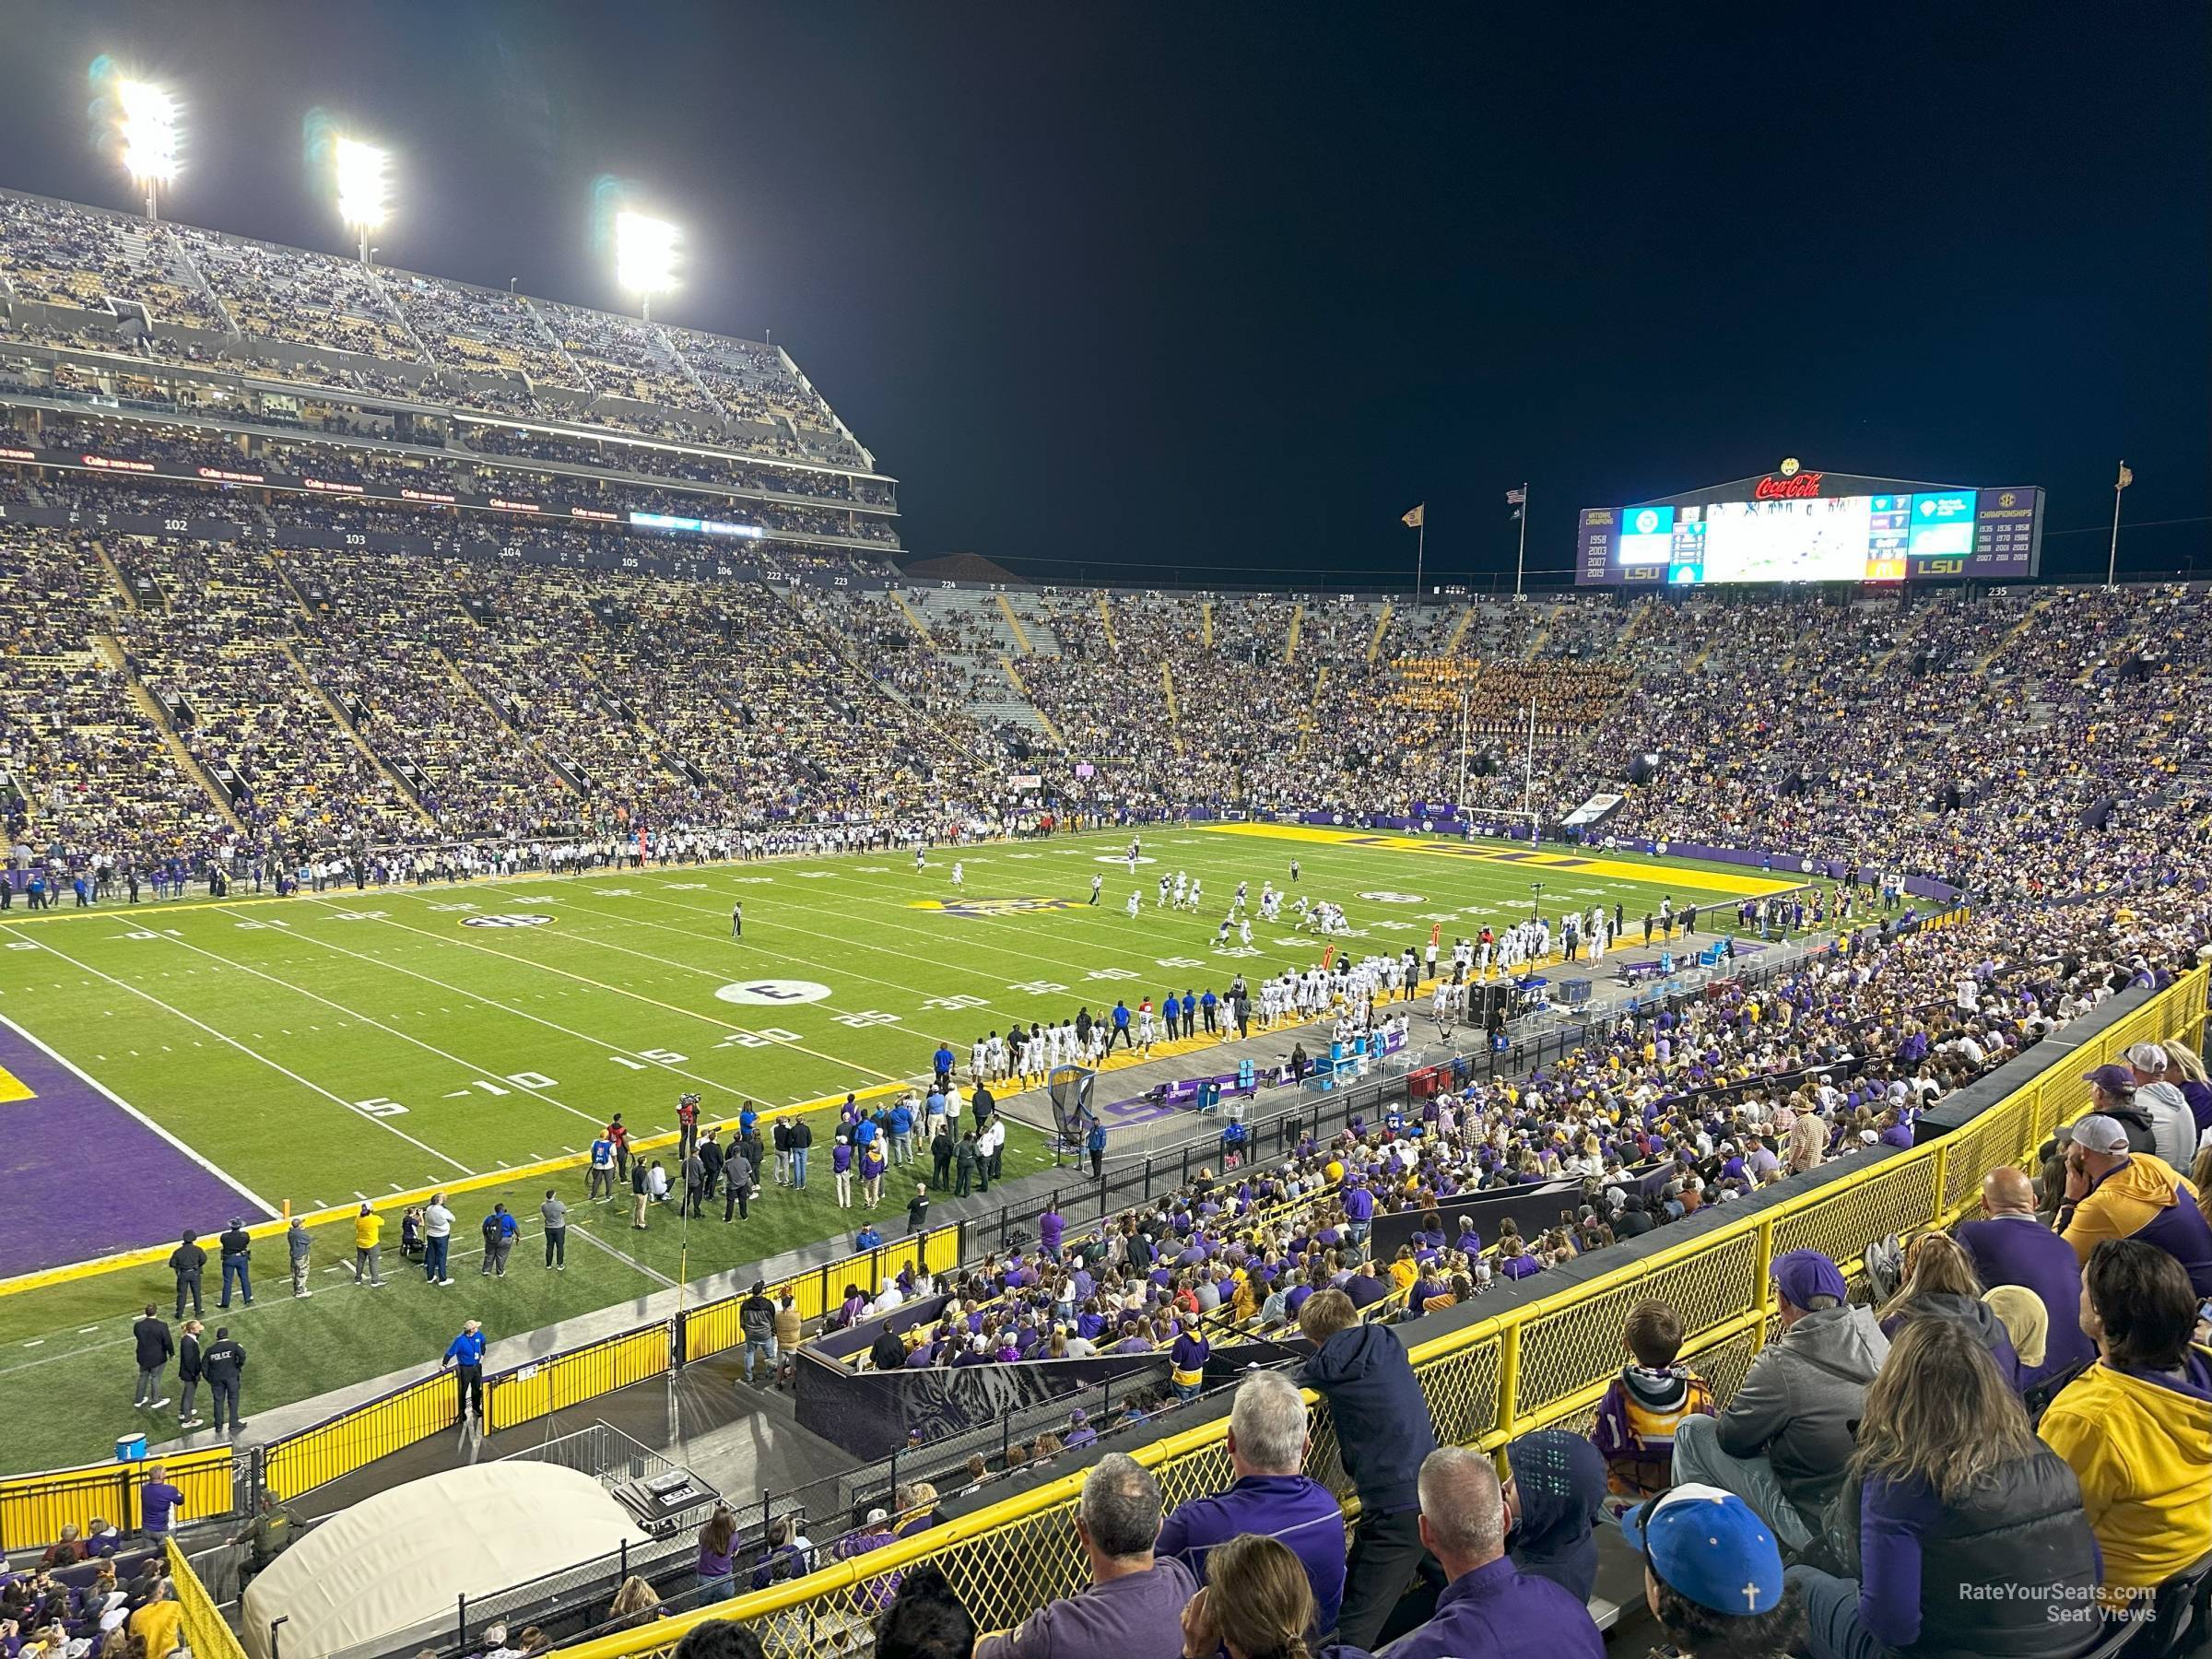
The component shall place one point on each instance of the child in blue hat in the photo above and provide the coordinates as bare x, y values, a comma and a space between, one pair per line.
1712, 1575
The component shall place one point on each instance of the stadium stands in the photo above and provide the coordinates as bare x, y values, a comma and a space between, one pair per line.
424, 683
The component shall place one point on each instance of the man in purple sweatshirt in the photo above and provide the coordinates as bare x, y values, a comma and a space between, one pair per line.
1268, 1437
2010, 1245
1359, 1210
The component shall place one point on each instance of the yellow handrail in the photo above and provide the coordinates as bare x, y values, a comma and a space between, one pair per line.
1543, 1364
204, 1632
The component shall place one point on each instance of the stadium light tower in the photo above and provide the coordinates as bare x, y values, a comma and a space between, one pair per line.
644, 257
362, 187
147, 122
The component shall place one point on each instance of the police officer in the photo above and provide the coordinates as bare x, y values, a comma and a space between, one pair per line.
185, 1260
223, 1363
237, 1252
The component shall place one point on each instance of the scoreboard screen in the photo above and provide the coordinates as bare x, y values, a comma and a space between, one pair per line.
1792, 529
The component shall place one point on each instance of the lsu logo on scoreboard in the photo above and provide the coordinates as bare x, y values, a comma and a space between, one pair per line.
991, 907
1943, 567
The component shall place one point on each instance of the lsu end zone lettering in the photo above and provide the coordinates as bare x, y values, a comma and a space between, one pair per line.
1600, 866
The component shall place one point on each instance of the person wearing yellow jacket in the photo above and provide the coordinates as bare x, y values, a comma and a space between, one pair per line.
367, 1234
2136, 1426
2112, 1193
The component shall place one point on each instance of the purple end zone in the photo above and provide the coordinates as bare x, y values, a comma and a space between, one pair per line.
142, 1189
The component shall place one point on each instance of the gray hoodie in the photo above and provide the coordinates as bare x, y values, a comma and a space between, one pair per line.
2172, 1125
1801, 1402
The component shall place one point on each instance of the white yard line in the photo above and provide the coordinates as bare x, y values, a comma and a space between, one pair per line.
814, 964
623, 1255
712, 1019
601, 1045
89, 1081
263, 1059
367, 1020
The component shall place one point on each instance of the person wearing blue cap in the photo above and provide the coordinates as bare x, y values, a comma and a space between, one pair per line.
1784, 1441
1712, 1574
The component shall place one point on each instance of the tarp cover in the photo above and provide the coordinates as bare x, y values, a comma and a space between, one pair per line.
392, 1561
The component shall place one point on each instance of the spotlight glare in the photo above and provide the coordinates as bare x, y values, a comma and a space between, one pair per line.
362, 183
644, 253
149, 126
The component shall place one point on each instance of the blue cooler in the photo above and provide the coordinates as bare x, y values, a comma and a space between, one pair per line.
130, 1448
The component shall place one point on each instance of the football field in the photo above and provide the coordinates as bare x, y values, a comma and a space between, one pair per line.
175, 1064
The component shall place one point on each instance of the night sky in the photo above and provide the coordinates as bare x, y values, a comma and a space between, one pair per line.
1224, 289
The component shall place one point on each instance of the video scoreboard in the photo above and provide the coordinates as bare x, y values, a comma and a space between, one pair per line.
1795, 526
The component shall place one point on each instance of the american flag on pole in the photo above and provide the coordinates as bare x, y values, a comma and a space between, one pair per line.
1515, 498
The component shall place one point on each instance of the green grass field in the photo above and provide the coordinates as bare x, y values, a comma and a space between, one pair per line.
318, 1050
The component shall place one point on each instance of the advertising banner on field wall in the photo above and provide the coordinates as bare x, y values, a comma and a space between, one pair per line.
868, 1414
1530, 1208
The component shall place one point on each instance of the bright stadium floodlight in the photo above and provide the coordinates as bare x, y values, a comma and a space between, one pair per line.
644, 257
147, 122
362, 203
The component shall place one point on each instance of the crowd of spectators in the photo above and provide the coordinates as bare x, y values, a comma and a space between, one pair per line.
299, 297
297, 315
2011, 1452
440, 472
58, 254
1657, 1118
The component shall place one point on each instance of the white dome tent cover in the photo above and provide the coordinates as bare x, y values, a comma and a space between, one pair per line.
394, 1565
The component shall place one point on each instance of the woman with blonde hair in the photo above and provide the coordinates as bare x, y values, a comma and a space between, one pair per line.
1940, 1283
636, 1603
1962, 1533
2185, 1071
1256, 1604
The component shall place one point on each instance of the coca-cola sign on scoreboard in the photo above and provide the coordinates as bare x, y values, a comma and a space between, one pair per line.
1801, 524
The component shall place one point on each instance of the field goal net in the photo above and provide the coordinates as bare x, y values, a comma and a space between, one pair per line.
1514, 824
1069, 1087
